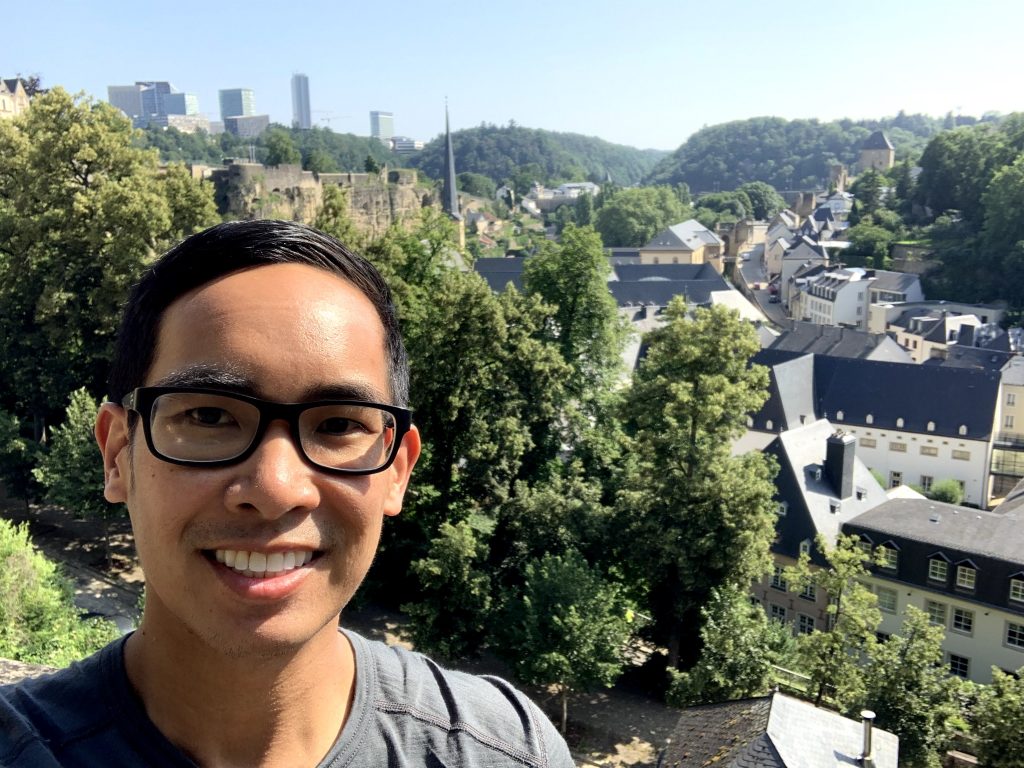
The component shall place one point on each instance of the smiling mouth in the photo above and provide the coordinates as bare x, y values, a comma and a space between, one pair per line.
261, 565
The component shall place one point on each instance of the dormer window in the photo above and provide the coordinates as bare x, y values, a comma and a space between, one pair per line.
966, 576
782, 508
805, 547
869, 419
962, 430
1017, 588
931, 426
768, 425
938, 569
889, 557
899, 422
839, 415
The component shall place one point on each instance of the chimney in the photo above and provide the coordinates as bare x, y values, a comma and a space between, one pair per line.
839, 453
966, 336
867, 758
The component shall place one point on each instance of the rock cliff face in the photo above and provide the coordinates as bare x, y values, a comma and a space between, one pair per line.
376, 201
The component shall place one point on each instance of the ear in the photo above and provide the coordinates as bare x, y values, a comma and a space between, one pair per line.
400, 471
112, 437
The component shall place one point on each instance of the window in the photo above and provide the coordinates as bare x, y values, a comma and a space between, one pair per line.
961, 455
778, 580
1008, 422
810, 592
965, 576
899, 423
1011, 398
890, 557
869, 419
895, 479
768, 424
805, 547
926, 482
781, 508
936, 612
777, 613
898, 447
1015, 635
959, 665
931, 426
868, 442
963, 620
963, 429
839, 415
886, 599
929, 450
804, 624
865, 546
938, 570
1017, 590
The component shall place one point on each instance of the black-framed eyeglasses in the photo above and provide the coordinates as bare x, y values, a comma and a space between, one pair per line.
199, 427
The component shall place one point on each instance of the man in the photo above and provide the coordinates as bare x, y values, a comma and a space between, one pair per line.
258, 435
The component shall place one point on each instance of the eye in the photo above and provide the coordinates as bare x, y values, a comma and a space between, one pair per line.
338, 425
209, 416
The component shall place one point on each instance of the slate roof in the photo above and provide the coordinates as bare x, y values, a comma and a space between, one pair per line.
774, 731
877, 140
958, 356
660, 292
811, 498
499, 272
633, 272
949, 397
806, 248
840, 342
897, 282
688, 235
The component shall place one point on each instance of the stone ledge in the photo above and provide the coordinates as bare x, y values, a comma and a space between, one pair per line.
16, 671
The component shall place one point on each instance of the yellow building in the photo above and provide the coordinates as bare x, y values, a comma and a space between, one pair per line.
13, 98
688, 242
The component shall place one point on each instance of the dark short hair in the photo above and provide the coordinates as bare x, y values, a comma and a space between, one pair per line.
227, 248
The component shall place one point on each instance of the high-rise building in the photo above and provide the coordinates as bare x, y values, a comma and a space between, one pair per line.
300, 102
237, 102
151, 101
382, 126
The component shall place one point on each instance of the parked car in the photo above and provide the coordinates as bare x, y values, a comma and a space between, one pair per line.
774, 299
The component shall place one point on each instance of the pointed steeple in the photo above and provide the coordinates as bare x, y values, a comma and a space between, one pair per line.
449, 195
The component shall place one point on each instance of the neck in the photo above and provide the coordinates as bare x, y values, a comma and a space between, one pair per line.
285, 708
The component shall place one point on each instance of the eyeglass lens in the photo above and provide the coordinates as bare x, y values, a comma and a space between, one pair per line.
206, 427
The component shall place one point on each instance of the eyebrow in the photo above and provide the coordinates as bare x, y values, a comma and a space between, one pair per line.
232, 379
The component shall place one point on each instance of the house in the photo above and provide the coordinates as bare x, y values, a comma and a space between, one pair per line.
688, 242
1008, 441
13, 97
821, 484
885, 314
877, 153
775, 731
964, 567
811, 338
929, 335
804, 251
913, 424
842, 296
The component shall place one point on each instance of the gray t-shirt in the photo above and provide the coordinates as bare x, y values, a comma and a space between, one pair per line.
407, 711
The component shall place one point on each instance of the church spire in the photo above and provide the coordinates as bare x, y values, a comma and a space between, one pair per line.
449, 195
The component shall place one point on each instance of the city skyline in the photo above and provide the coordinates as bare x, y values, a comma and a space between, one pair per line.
649, 78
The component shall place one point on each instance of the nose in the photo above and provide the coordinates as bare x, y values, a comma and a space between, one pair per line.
275, 479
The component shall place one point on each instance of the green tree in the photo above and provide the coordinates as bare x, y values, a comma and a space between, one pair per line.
280, 148
869, 244
910, 690
18, 454
868, 191
334, 217
631, 217
571, 277
569, 628
81, 211
476, 184
39, 622
946, 490
583, 210
72, 471
832, 657
371, 165
320, 161
740, 645
450, 618
998, 721
694, 517
764, 200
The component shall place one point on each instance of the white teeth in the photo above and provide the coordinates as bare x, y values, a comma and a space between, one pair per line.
261, 564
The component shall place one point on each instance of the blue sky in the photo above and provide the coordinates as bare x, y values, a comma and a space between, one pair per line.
646, 72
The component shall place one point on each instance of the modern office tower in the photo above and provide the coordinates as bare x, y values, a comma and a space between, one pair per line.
382, 126
300, 102
153, 94
181, 104
236, 102
127, 98
247, 126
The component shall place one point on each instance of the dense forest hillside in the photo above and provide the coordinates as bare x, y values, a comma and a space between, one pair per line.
504, 152
788, 154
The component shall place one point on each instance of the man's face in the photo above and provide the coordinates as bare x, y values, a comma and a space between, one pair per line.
288, 333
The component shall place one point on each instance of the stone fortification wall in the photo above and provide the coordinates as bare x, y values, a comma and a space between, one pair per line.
376, 201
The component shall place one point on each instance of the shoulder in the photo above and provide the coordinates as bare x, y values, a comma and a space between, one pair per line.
420, 698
